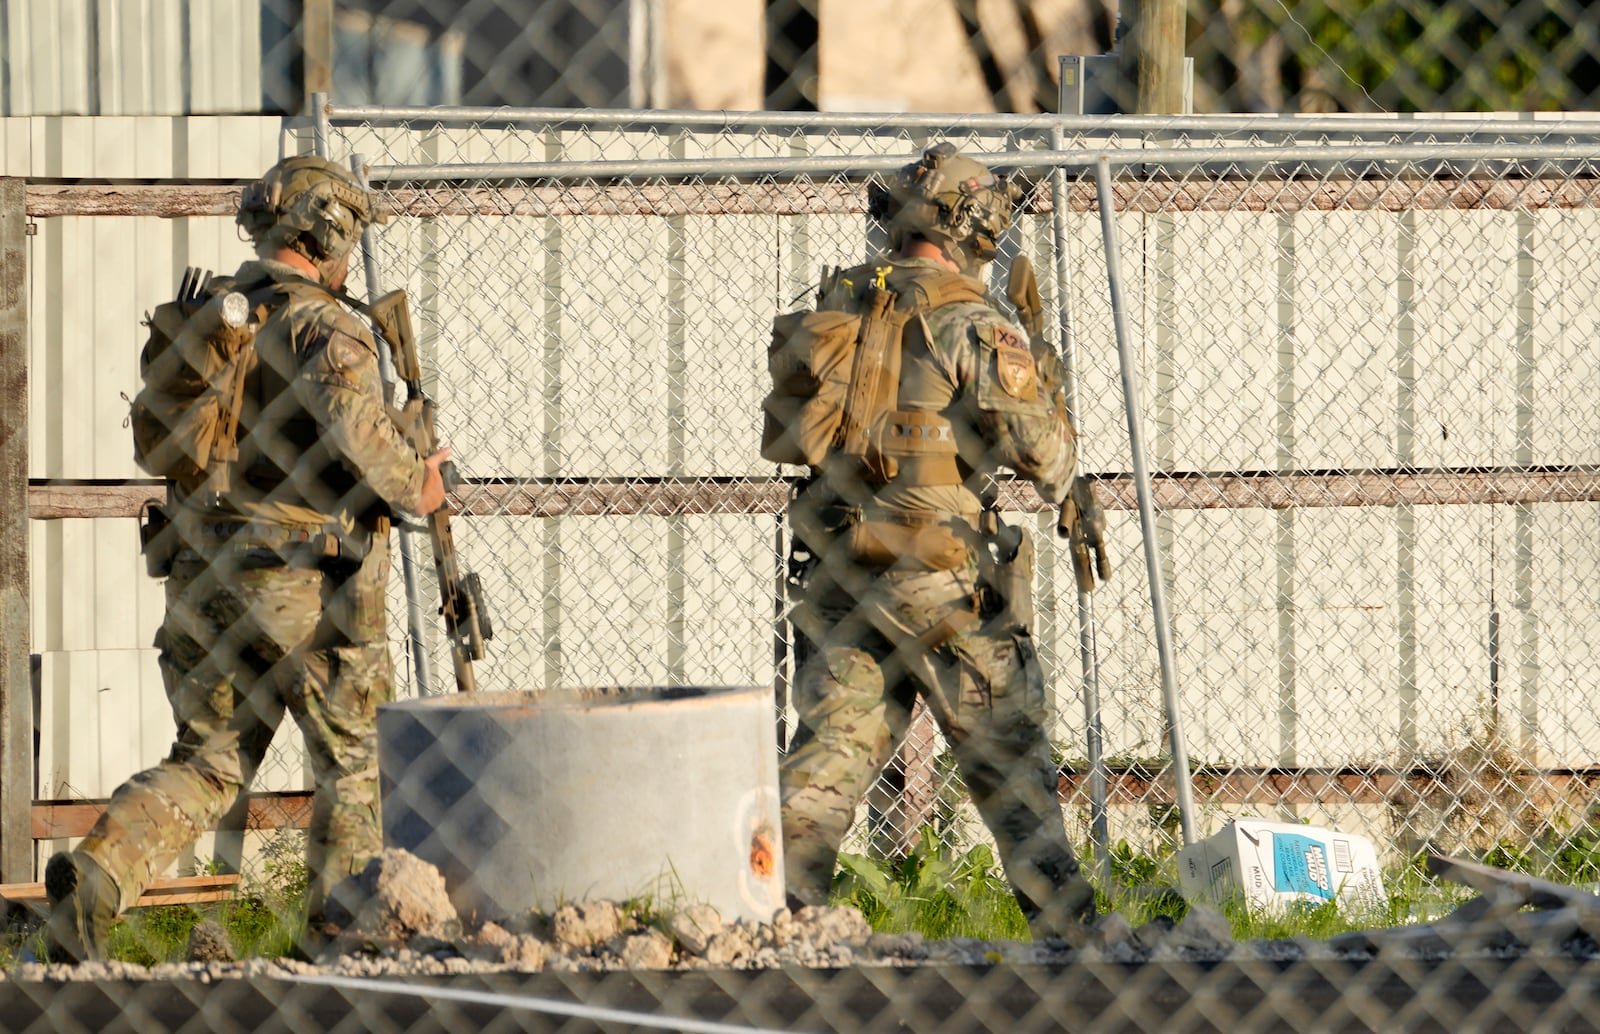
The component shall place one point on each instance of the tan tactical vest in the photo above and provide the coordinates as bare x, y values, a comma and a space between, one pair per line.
836, 406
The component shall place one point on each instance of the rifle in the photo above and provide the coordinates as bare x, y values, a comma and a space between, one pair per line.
466, 619
1080, 521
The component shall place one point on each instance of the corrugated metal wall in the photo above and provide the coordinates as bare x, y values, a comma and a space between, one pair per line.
1316, 340
130, 57
103, 714
621, 346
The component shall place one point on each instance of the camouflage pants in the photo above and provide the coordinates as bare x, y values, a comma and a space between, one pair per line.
984, 688
246, 638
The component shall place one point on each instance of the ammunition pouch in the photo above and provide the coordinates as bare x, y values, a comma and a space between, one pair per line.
265, 545
882, 544
873, 538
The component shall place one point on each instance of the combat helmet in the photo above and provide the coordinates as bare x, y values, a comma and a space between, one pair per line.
949, 199
309, 204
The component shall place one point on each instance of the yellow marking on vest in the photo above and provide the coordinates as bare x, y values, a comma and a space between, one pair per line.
882, 283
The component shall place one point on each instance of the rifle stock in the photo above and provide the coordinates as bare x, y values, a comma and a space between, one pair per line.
466, 619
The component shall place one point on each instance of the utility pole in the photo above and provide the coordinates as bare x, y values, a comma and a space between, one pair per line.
1151, 51
316, 42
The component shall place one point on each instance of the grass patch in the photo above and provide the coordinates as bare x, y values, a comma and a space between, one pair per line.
267, 918
939, 893
932, 891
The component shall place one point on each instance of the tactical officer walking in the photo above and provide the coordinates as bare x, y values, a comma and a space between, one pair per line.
276, 554
903, 392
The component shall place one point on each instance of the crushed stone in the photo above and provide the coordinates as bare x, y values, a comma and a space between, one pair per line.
397, 921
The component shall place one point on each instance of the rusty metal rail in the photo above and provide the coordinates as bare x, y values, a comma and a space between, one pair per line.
1255, 194
1266, 490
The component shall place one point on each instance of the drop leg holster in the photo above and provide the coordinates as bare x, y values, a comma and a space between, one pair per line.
1005, 572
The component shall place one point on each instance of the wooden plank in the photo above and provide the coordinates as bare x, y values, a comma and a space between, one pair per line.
167, 201
1265, 490
16, 671
184, 890
73, 818
1144, 194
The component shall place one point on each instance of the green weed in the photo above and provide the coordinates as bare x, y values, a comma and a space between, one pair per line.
934, 891
266, 919
931, 891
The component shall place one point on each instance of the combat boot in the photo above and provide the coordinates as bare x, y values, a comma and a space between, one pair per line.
83, 905
1076, 900
1068, 915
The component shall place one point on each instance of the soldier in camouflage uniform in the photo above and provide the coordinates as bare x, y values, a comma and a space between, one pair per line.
275, 601
906, 591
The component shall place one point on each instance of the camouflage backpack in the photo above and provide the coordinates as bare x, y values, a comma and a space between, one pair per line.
836, 371
194, 366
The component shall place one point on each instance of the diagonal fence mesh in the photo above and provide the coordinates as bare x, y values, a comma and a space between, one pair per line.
1364, 359
1354, 360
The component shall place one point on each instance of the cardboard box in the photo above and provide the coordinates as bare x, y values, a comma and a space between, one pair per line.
1275, 864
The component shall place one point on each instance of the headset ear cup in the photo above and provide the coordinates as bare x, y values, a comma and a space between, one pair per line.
879, 201
959, 218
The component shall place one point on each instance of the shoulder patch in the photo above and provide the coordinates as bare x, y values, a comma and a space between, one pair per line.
346, 352
1005, 337
1014, 366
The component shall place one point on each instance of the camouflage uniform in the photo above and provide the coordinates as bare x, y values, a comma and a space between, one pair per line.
882, 636
275, 603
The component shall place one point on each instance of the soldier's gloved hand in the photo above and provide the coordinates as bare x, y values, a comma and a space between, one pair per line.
433, 483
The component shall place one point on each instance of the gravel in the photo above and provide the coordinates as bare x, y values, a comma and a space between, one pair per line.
397, 921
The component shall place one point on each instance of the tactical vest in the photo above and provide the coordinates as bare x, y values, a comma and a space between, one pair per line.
836, 376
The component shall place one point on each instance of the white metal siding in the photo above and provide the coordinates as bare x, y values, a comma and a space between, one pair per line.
131, 57
1264, 681
103, 711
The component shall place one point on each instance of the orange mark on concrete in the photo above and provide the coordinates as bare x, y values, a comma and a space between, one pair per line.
762, 862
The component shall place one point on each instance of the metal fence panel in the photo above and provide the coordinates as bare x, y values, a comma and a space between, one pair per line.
1300, 332
1365, 373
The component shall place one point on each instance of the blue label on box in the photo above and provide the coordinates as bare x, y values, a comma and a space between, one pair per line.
1300, 864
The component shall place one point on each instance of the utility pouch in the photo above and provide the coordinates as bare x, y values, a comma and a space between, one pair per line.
338, 553
194, 368
1005, 574
158, 539
1016, 588
884, 544
810, 362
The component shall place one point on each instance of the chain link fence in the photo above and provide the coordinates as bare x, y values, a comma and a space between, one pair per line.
957, 55
1365, 351
1333, 379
